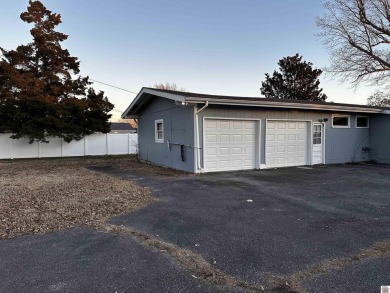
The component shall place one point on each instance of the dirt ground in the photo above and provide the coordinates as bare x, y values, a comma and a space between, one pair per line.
39, 196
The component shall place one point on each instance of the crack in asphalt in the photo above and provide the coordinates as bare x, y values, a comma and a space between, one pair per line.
195, 263
202, 270
295, 280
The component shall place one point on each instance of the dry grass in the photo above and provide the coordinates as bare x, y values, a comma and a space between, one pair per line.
39, 196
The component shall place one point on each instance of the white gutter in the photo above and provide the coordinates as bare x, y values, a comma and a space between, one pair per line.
199, 167
330, 107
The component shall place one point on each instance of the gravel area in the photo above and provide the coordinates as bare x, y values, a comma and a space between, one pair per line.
38, 196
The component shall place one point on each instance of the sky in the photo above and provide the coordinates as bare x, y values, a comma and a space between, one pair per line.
206, 46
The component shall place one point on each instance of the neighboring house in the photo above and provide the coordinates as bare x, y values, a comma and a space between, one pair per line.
208, 133
122, 128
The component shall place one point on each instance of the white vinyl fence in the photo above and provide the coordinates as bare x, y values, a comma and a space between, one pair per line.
91, 145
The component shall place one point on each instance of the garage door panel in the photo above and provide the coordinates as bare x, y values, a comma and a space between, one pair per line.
292, 125
237, 137
224, 163
211, 151
223, 151
211, 138
237, 125
249, 151
270, 137
236, 151
237, 163
224, 125
249, 125
302, 125
230, 145
211, 124
291, 145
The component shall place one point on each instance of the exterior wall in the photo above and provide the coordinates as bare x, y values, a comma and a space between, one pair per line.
342, 145
380, 138
178, 123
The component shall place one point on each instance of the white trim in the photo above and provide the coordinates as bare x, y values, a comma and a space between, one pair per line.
322, 140
286, 105
198, 162
324, 152
299, 120
156, 139
362, 116
341, 115
196, 140
310, 146
166, 95
257, 139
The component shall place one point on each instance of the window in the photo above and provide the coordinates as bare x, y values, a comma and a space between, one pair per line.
317, 134
362, 122
340, 121
159, 130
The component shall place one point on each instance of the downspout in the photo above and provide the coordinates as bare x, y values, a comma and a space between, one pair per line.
199, 167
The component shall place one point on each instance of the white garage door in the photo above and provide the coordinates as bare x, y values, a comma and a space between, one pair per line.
286, 143
229, 145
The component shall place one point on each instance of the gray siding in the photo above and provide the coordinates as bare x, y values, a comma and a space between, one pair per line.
178, 128
342, 145
380, 138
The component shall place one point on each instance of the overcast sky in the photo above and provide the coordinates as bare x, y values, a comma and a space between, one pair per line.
206, 46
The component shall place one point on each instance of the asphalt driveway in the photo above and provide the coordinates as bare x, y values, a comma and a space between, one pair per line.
322, 229
259, 225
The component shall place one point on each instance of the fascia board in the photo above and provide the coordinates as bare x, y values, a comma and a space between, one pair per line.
143, 91
286, 105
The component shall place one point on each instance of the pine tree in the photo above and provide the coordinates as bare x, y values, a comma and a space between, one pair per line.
297, 80
40, 97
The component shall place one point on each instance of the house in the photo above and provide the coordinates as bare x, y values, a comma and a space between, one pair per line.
208, 133
119, 127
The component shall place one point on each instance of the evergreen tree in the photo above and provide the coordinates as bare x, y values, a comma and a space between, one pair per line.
297, 80
39, 95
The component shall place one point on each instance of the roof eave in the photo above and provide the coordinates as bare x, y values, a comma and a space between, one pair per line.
132, 110
270, 104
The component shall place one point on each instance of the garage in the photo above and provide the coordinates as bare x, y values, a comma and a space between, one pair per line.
287, 143
229, 145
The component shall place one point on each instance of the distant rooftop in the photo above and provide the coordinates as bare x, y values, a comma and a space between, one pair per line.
120, 126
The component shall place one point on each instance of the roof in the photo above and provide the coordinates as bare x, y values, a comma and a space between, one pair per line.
121, 126
195, 98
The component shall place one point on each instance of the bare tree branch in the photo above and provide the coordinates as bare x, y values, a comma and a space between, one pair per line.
357, 34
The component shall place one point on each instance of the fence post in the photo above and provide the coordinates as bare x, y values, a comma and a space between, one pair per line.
107, 145
39, 149
12, 148
85, 145
128, 143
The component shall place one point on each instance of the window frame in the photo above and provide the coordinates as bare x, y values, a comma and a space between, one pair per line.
156, 138
344, 116
362, 116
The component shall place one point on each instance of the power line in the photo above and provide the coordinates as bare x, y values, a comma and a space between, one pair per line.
117, 110
114, 86
107, 84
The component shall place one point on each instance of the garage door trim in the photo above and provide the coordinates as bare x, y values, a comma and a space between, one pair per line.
257, 138
309, 137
